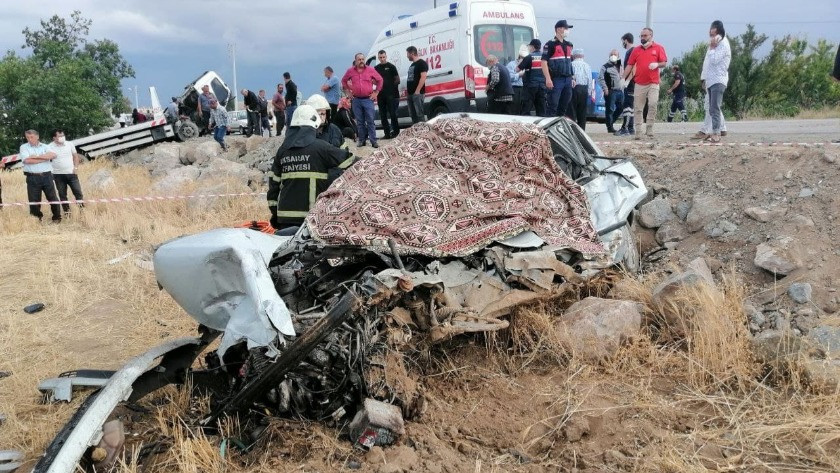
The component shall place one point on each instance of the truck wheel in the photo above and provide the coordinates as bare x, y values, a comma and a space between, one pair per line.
438, 109
187, 131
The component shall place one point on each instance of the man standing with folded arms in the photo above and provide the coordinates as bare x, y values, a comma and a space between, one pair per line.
37, 167
364, 84
646, 60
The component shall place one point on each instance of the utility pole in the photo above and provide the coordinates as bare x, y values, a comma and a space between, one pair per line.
649, 13
136, 99
232, 52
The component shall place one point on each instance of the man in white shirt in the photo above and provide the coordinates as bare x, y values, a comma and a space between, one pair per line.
37, 168
64, 167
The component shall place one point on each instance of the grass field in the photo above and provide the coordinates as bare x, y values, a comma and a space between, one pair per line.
701, 404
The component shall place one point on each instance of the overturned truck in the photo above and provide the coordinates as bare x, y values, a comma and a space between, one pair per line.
441, 233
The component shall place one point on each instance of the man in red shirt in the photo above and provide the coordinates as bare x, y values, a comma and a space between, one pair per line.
363, 83
645, 62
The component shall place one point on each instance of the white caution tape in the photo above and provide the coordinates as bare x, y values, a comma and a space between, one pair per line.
151, 198
731, 145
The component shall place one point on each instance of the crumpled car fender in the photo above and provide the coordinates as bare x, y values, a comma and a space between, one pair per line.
221, 278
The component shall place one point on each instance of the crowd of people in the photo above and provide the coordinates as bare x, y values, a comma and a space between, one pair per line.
548, 79
553, 79
50, 169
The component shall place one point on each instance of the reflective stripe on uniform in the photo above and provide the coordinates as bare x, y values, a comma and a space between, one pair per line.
292, 213
272, 203
304, 175
346, 163
313, 187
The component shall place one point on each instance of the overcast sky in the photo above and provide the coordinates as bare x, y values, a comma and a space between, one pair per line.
170, 43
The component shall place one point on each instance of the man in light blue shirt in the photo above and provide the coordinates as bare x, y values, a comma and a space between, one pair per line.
332, 91
516, 81
37, 167
582, 86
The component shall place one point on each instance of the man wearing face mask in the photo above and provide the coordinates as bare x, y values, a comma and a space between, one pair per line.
557, 69
629, 84
610, 79
533, 80
64, 167
645, 62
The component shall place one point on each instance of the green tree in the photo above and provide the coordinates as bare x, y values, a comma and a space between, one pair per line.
66, 81
792, 76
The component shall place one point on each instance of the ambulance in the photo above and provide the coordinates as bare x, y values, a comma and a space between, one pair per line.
455, 40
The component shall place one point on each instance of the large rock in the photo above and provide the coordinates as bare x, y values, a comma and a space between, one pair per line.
822, 375
172, 183
666, 295
164, 158
208, 204
201, 152
254, 142
595, 328
704, 209
778, 256
100, 180
827, 339
670, 232
218, 168
800, 292
765, 215
236, 146
655, 213
773, 347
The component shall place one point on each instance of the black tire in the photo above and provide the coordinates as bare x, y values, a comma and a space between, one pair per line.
187, 131
241, 130
438, 109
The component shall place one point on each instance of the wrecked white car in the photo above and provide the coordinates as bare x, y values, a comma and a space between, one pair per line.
443, 232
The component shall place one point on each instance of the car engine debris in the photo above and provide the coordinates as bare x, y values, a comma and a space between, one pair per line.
312, 324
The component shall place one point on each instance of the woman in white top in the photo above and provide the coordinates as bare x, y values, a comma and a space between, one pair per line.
715, 75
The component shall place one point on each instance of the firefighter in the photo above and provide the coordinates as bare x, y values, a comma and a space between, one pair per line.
328, 132
301, 169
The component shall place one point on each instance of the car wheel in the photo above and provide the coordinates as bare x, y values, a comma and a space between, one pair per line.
438, 109
241, 130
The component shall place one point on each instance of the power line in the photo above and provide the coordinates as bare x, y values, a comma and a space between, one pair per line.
675, 22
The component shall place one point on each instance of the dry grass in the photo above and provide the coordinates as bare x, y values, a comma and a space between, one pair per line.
97, 314
692, 406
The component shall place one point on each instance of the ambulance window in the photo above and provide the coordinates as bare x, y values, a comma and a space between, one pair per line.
503, 41
521, 36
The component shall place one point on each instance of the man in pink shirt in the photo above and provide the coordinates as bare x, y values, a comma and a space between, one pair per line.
363, 83
645, 62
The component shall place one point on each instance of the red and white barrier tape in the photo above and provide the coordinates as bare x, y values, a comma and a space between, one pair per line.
731, 145
151, 198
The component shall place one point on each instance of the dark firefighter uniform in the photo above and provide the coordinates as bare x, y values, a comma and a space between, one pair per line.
300, 172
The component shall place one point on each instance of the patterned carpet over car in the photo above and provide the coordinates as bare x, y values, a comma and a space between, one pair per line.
451, 188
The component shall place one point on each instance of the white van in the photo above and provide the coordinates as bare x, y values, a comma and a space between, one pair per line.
455, 40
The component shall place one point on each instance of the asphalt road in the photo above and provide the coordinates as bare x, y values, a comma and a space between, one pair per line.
764, 131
